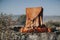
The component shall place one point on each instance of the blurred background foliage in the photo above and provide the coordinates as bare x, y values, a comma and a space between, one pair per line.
22, 19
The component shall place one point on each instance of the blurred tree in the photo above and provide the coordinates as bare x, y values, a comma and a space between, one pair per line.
22, 19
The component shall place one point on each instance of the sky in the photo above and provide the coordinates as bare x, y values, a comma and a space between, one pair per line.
18, 7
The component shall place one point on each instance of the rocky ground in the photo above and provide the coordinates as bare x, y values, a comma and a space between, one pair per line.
12, 35
8, 34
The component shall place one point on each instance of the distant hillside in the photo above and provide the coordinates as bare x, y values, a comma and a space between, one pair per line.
51, 18
45, 18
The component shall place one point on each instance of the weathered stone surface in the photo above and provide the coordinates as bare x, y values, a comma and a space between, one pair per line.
35, 14
41, 36
9, 35
12, 35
